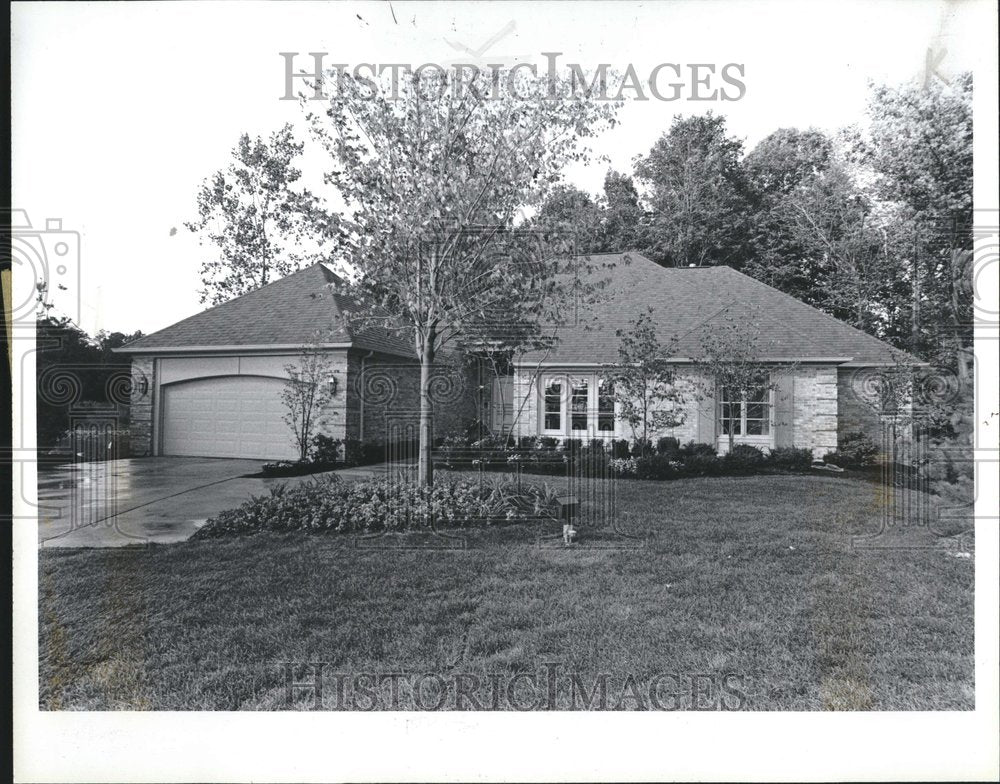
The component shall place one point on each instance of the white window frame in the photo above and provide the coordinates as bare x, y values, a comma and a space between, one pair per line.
765, 439
567, 379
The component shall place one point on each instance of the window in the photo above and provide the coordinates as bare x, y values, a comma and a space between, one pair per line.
553, 405
606, 406
579, 406
579, 398
745, 415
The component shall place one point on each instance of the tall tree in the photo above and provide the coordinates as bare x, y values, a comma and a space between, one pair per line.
918, 142
434, 174
254, 218
697, 194
573, 211
622, 214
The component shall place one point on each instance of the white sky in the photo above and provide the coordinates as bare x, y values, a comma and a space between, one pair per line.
121, 109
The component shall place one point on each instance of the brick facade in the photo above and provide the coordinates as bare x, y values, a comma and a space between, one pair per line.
853, 413
141, 407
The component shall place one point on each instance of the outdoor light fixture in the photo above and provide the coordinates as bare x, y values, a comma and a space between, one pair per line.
332, 381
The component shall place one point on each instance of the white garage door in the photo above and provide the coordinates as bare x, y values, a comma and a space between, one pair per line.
235, 416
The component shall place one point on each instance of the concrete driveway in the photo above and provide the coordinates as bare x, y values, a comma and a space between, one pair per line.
153, 499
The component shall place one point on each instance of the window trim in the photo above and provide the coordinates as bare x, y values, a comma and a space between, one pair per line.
765, 439
593, 380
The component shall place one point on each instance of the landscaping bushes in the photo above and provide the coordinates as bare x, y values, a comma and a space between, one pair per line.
856, 450
327, 504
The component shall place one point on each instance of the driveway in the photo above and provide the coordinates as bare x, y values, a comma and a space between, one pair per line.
142, 501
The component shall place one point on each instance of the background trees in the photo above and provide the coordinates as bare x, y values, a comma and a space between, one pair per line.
260, 226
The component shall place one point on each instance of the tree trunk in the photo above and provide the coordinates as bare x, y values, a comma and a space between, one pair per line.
425, 465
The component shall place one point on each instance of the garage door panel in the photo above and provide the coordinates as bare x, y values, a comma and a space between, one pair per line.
232, 416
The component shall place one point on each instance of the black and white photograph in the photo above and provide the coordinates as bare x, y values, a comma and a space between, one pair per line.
504, 391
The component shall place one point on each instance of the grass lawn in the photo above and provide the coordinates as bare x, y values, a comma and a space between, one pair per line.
745, 595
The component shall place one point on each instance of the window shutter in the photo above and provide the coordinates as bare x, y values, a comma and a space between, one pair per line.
784, 408
706, 419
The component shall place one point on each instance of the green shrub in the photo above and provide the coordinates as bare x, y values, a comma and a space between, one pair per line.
619, 449
548, 442
701, 463
527, 443
789, 458
655, 467
692, 448
324, 449
597, 445
572, 446
856, 450
642, 447
667, 445
327, 504
743, 458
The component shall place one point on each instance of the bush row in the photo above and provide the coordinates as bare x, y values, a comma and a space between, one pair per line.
327, 504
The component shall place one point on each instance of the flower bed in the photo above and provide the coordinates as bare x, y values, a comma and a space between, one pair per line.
328, 504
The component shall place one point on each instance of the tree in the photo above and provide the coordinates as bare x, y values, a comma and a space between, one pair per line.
918, 144
732, 362
434, 175
256, 221
697, 194
306, 394
622, 214
573, 211
644, 380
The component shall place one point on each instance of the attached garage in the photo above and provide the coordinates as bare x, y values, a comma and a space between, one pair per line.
236, 416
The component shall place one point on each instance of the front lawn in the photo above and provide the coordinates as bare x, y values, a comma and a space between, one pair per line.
746, 579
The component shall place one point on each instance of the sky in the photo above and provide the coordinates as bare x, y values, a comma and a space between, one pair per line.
120, 110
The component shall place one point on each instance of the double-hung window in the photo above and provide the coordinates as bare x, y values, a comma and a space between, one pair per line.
746, 415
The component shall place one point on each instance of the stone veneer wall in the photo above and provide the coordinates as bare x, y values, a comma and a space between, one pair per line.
141, 407
814, 412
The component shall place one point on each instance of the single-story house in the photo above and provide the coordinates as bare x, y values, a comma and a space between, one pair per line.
211, 384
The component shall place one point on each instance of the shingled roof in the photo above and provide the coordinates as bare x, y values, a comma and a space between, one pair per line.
683, 300
287, 313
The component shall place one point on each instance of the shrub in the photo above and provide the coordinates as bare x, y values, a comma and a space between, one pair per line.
655, 467
324, 449
744, 458
527, 443
702, 464
667, 445
790, 459
624, 466
692, 448
572, 446
619, 449
856, 450
597, 445
329, 505
642, 447
548, 442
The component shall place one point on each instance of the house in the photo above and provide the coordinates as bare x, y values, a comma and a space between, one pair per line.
210, 385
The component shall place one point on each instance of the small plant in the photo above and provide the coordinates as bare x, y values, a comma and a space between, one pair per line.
744, 458
548, 442
693, 448
789, 458
527, 443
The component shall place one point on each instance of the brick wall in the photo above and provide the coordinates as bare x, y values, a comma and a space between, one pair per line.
853, 413
141, 407
385, 395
